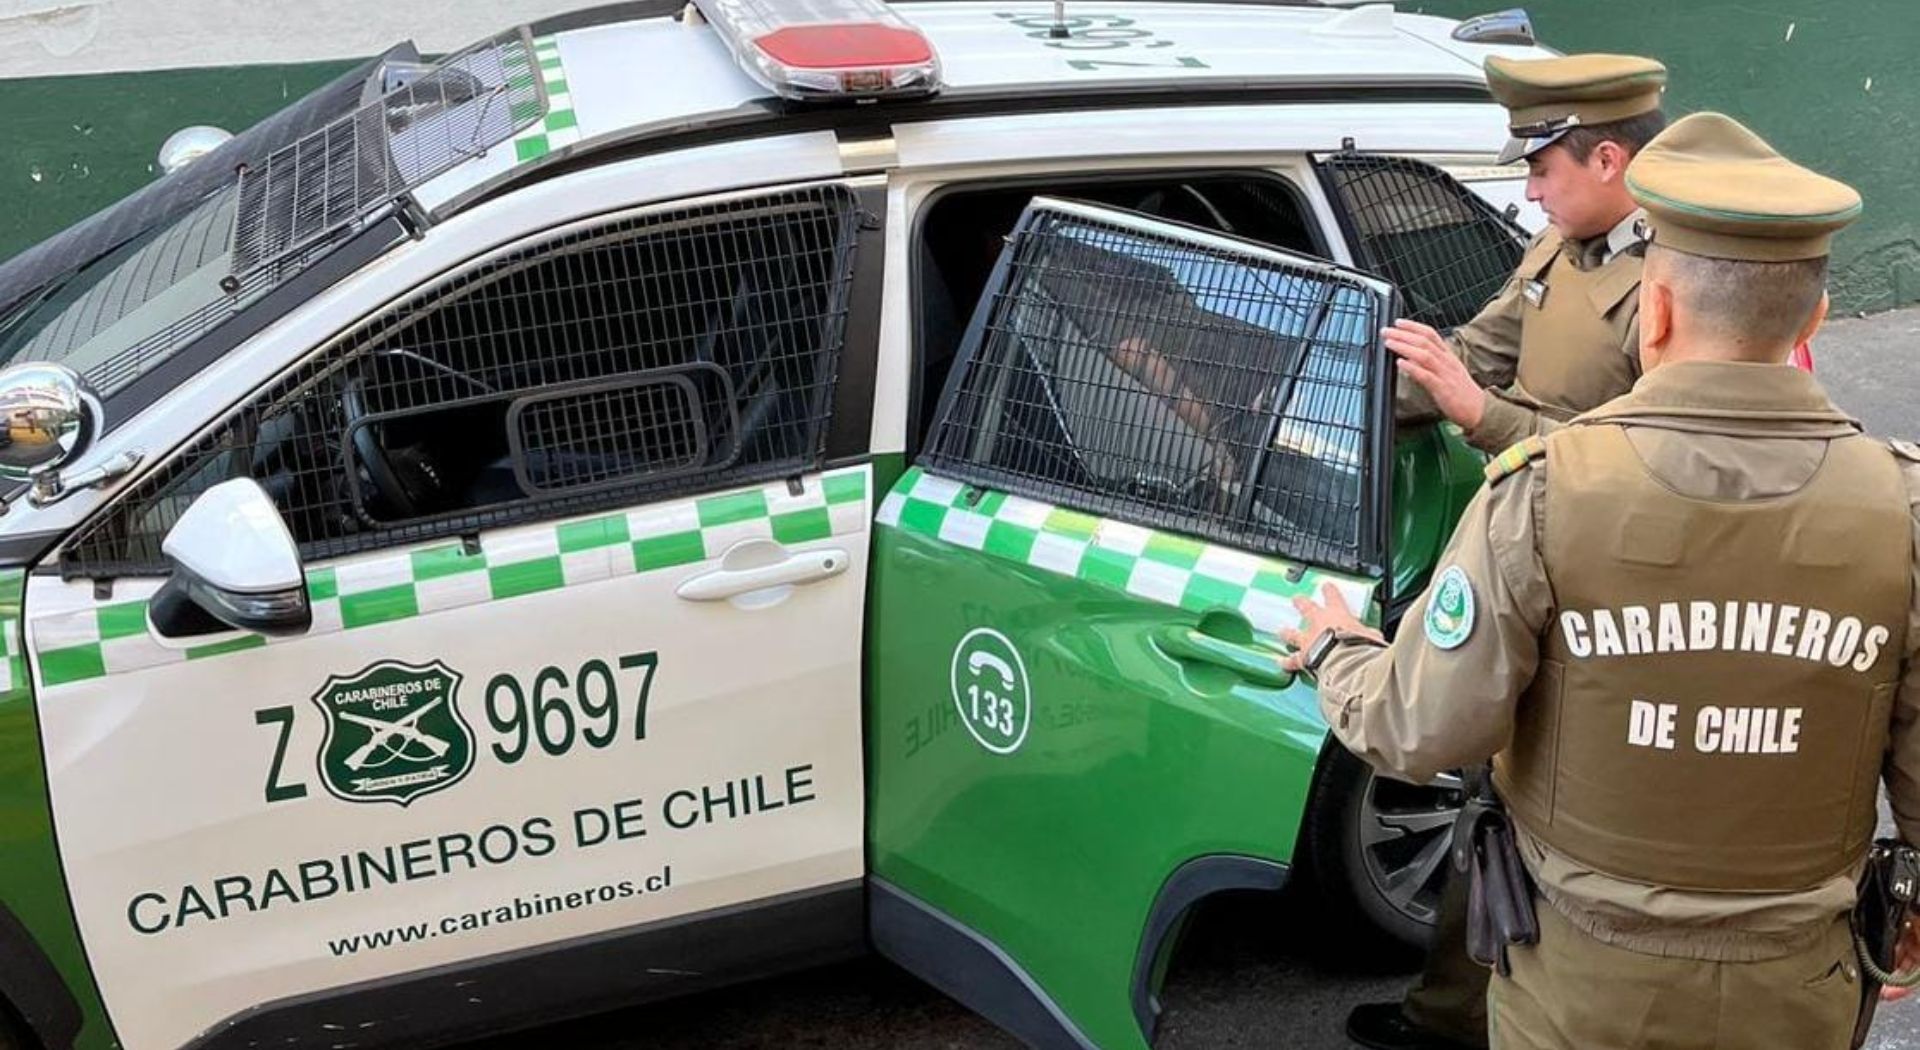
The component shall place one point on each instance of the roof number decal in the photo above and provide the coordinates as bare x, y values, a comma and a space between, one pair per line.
1104, 33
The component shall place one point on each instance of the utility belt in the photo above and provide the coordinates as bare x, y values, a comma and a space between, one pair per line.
1888, 888
1500, 897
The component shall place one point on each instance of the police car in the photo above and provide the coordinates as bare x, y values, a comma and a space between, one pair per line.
669, 495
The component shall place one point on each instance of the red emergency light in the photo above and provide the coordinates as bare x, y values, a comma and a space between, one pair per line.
825, 50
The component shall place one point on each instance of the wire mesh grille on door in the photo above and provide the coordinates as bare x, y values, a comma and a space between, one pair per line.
655, 355
1201, 385
1447, 249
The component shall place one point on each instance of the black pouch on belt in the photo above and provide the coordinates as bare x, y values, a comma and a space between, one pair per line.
1499, 894
1888, 887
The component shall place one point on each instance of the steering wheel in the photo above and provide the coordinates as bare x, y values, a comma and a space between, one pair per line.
384, 481
1186, 204
406, 480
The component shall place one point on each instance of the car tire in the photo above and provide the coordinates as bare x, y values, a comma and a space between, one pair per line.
1377, 850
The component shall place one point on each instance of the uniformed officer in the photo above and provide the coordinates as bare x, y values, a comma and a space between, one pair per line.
1688, 625
1560, 338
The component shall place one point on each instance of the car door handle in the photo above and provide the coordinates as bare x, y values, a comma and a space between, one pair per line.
1254, 663
793, 570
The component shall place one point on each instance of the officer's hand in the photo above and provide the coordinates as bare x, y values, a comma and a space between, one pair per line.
1906, 958
1316, 617
1425, 359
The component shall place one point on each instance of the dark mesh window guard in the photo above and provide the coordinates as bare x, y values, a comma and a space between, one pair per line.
1446, 248
1140, 370
653, 356
585, 436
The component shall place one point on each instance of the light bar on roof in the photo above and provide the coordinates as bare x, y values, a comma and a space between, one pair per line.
825, 50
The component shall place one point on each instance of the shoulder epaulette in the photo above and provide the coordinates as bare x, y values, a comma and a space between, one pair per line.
1540, 253
1906, 450
1517, 455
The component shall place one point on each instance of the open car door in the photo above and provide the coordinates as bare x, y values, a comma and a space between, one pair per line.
1443, 246
1446, 250
1153, 439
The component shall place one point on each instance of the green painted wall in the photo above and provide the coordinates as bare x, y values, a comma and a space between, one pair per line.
1832, 83
76, 144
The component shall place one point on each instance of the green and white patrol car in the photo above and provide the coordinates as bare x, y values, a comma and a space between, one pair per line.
666, 496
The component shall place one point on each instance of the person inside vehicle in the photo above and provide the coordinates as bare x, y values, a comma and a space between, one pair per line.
1211, 370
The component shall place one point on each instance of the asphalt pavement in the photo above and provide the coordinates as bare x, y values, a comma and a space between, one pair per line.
1868, 365
1253, 971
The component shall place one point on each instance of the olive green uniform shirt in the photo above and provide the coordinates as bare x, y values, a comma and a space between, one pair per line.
1490, 344
1414, 709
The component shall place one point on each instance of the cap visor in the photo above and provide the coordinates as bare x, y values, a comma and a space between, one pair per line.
1520, 149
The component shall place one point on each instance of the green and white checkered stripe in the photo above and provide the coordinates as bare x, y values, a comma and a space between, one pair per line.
385, 586
559, 125
13, 584
1161, 567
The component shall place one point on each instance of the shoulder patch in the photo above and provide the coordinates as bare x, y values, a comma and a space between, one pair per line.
1450, 601
1517, 455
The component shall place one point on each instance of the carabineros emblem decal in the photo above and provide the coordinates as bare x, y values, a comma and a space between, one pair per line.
393, 733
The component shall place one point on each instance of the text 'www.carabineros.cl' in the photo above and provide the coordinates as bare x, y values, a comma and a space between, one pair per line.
520, 909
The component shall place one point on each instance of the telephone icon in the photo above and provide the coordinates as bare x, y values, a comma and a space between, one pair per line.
980, 660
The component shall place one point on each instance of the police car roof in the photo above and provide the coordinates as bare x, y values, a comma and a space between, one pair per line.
1005, 46
658, 66
652, 77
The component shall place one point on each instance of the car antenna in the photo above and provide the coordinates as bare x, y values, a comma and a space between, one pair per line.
1059, 30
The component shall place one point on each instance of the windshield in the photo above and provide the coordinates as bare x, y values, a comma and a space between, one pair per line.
112, 304
132, 286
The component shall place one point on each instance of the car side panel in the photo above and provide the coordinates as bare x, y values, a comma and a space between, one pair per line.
1131, 766
222, 853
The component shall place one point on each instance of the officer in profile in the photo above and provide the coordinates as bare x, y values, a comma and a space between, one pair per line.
1685, 626
1559, 338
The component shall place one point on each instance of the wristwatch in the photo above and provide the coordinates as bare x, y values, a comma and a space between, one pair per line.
1318, 649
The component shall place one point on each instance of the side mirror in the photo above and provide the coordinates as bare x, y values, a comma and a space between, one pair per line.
189, 144
235, 565
48, 418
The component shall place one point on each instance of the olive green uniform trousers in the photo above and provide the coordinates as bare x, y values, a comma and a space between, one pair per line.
1573, 992
1450, 998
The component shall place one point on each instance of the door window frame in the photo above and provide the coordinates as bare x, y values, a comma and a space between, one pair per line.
917, 428
1344, 219
837, 444
1372, 555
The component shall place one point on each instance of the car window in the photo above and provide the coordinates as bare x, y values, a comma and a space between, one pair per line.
963, 227
1446, 248
653, 355
1149, 372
